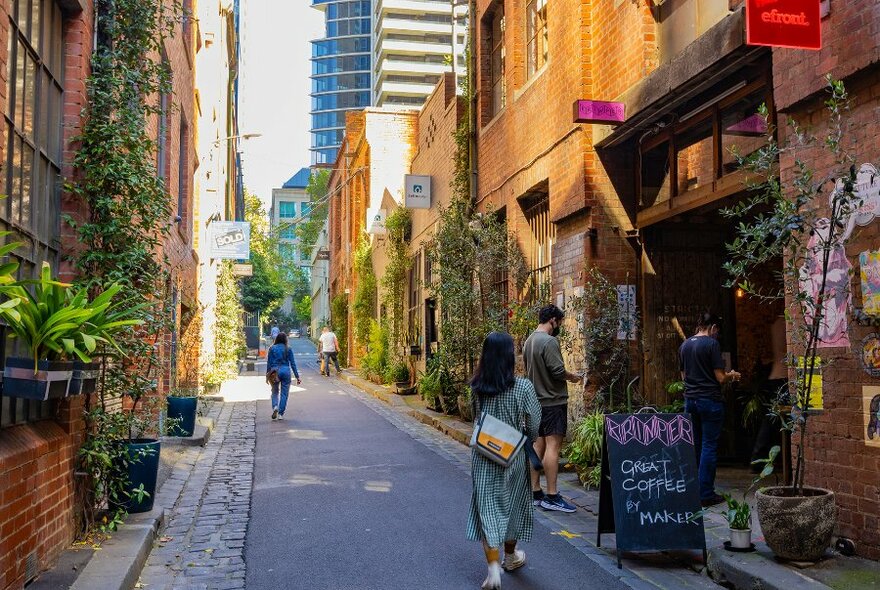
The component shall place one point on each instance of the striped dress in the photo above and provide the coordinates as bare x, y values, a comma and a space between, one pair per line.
501, 501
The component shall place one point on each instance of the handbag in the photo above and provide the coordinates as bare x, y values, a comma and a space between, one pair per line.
272, 377
497, 440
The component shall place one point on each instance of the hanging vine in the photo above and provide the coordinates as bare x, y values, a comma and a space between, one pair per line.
364, 305
394, 281
121, 237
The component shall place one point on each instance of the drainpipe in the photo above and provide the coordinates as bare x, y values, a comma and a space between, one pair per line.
472, 79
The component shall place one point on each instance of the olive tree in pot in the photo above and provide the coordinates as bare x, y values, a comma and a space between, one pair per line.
805, 222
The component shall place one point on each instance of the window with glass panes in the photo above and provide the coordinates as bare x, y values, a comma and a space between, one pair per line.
33, 153
536, 36
497, 66
287, 209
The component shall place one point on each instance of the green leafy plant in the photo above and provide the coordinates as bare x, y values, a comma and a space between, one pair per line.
801, 221
375, 361
364, 305
739, 513
339, 317
584, 450
398, 372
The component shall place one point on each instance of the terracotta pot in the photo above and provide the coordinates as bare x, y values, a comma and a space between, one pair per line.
797, 528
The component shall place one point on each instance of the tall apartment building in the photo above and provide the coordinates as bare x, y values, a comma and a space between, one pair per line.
340, 73
415, 42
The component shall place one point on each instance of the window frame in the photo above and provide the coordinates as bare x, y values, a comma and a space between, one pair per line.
537, 37
497, 82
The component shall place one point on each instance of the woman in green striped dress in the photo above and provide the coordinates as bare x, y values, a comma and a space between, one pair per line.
501, 502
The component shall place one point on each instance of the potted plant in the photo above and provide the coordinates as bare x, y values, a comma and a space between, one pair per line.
53, 323
466, 404
804, 221
584, 451
399, 375
430, 388
182, 405
739, 519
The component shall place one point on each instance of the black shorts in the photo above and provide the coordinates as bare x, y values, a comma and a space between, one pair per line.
554, 420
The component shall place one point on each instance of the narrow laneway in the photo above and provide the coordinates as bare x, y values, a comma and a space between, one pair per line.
345, 498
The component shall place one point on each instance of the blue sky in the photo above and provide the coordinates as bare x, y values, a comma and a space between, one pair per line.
274, 89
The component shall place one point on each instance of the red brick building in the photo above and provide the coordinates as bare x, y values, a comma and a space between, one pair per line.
641, 201
43, 96
842, 455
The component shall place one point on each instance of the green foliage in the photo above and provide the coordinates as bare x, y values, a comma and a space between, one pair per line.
394, 281
801, 221
264, 290
605, 358
364, 305
303, 309
739, 513
229, 342
339, 317
397, 372
585, 448
309, 229
375, 362
121, 237
55, 321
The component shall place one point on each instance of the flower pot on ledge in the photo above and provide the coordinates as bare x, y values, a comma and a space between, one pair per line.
51, 381
85, 378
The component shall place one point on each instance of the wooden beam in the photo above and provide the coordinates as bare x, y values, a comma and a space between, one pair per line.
722, 188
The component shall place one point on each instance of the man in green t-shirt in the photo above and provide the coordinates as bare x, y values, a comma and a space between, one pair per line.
546, 369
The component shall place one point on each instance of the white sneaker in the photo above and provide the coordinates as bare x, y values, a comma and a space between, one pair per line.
493, 580
515, 560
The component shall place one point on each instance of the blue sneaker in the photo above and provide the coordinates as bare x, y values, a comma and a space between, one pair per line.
557, 502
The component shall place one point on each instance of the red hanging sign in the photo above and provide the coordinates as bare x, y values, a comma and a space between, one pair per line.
784, 23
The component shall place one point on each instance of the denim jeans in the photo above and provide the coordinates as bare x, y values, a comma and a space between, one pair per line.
331, 355
282, 387
708, 418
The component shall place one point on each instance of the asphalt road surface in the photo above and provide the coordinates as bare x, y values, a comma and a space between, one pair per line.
344, 499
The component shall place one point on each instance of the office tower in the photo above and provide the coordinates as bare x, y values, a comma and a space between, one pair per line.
340, 73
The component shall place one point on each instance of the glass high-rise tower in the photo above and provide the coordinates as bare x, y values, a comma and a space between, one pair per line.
340, 73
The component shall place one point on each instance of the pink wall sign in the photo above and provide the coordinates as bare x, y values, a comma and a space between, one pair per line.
599, 111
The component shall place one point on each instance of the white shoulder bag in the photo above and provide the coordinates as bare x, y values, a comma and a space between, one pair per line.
497, 440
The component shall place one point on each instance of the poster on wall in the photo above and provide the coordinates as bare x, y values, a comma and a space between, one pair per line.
833, 331
869, 263
871, 354
867, 193
871, 411
626, 312
816, 401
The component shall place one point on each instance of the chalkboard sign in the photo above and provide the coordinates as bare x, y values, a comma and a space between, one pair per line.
650, 490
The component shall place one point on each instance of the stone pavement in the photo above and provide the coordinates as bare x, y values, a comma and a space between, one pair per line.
207, 504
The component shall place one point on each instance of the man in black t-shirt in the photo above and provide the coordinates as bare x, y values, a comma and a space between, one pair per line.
702, 370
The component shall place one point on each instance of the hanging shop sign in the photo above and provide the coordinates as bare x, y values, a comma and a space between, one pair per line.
871, 410
599, 111
377, 222
243, 270
230, 240
869, 270
871, 354
323, 254
796, 24
418, 191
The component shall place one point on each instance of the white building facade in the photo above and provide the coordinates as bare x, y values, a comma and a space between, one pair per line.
414, 43
215, 179
320, 260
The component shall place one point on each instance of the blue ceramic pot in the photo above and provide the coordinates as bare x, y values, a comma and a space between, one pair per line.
183, 409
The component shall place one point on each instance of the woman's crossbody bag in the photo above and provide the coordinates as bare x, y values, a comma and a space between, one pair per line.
496, 440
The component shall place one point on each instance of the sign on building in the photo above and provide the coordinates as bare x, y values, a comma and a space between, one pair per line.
599, 111
796, 24
230, 240
243, 270
377, 223
323, 254
418, 191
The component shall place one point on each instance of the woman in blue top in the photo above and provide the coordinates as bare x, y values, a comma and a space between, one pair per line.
280, 357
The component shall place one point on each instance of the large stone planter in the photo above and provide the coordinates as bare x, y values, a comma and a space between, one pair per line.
797, 528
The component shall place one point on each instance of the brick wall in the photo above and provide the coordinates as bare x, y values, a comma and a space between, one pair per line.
838, 455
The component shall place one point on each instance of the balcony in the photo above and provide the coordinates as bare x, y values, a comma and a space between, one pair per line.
410, 47
407, 26
414, 6
387, 88
389, 66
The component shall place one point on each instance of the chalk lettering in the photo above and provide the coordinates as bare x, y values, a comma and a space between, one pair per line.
667, 517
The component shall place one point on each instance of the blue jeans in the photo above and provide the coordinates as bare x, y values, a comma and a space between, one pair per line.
708, 418
283, 385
